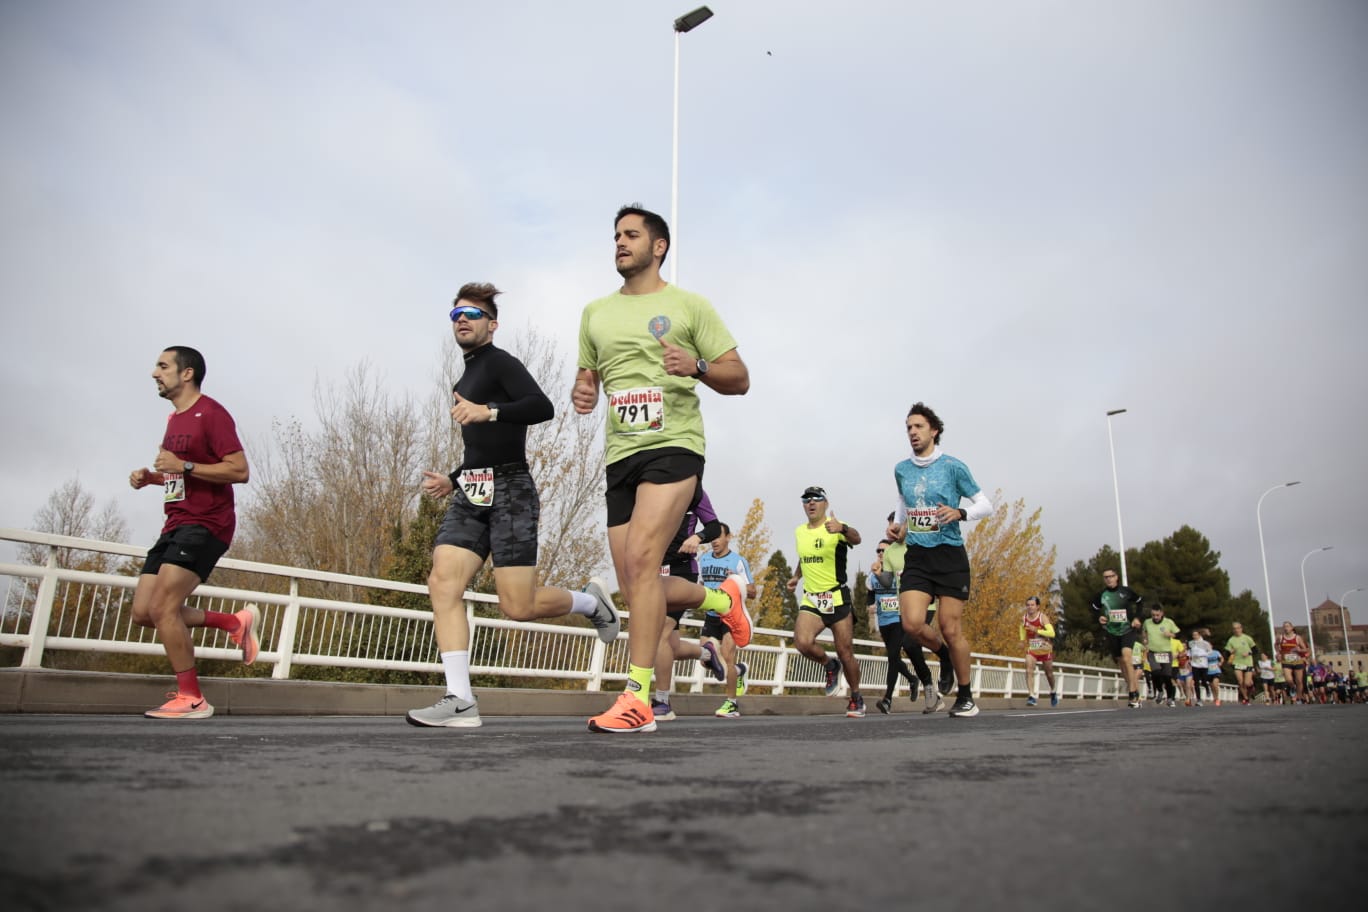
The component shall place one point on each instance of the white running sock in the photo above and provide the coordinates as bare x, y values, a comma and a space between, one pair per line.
583, 603
457, 667
663, 696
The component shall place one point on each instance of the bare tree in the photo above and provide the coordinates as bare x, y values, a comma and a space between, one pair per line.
334, 499
70, 510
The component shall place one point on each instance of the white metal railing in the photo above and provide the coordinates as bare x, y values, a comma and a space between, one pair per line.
48, 607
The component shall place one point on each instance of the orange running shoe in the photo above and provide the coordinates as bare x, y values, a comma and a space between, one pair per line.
627, 715
738, 620
246, 635
181, 706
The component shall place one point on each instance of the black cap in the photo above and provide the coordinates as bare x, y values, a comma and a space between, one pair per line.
814, 491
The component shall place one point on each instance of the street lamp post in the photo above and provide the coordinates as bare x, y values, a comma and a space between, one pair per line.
685, 23
1344, 626
1268, 591
1116, 488
1310, 630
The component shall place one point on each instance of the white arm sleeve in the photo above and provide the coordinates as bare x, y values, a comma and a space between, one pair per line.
979, 507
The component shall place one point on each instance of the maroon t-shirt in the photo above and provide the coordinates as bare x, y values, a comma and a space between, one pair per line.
203, 433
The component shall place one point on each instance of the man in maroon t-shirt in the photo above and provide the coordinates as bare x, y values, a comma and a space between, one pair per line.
199, 461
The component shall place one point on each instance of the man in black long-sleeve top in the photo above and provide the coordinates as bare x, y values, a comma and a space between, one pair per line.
494, 510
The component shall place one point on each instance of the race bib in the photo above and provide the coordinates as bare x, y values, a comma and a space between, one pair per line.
1117, 615
1291, 658
1038, 644
173, 487
824, 602
922, 520
478, 486
664, 569
637, 411
888, 603
1160, 658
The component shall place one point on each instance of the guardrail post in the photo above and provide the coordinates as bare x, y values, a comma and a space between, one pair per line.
780, 669
42, 614
976, 676
289, 627
598, 657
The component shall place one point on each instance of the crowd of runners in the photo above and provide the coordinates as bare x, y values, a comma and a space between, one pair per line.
644, 351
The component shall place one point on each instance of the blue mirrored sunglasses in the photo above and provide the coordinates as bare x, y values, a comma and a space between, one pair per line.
470, 313
812, 499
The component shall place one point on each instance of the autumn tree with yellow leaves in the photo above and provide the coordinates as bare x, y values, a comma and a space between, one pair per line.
1009, 562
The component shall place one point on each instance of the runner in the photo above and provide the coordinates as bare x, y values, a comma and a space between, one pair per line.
1117, 609
1038, 634
882, 586
494, 510
1199, 650
1158, 634
1266, 677
822, 544
1214, 664
718, 566
894, 558
1241, 649
1292, 653
683, 593
936, 566
1317, 672
1183, 670
648, 345
199, 461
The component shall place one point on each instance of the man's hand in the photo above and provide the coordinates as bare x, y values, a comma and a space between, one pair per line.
678, 362
690, 545
585, 393
168, 463
138, 478
466, 412
436, 484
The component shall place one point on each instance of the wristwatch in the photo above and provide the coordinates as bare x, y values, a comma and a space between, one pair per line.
493, 412
189, 467
701, 368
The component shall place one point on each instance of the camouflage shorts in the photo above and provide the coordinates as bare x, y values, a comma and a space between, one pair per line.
507, 528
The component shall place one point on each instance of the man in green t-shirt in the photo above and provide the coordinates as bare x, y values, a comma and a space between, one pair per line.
648, 346
1158, 632
1241, 649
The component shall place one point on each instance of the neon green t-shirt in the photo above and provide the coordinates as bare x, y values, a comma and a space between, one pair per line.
1241, 649
1158, 637
822, 558
620, 339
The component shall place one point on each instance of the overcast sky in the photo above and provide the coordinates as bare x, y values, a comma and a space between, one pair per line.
1023, 214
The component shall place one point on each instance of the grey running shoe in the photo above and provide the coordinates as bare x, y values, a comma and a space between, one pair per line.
449, 712
605, 618
712, 661
885, 706
964, 708
833, 676
934, 702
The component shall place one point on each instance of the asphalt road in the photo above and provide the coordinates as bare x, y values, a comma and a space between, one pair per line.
1238, 807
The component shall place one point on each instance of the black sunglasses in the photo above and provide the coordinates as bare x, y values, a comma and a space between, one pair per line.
812, 499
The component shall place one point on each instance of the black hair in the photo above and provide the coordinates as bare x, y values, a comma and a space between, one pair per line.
188, 358
656, 227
